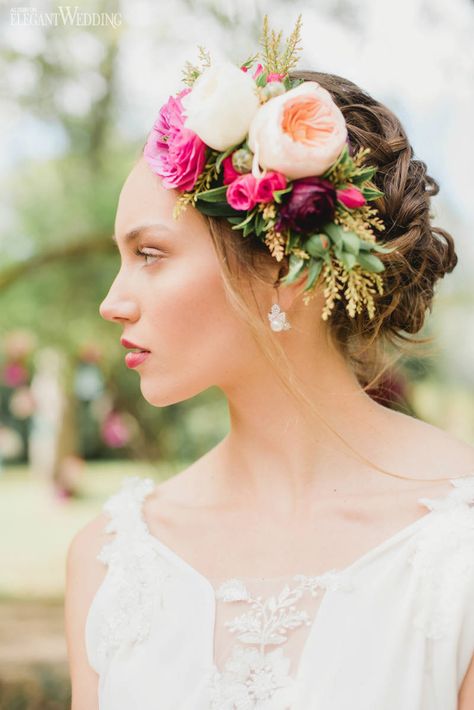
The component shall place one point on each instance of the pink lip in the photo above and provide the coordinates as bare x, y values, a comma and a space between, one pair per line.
128, 344
135, 359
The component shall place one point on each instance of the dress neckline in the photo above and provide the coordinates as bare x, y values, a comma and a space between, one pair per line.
433, 504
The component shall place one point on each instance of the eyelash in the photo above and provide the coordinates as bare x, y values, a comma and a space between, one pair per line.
138, 252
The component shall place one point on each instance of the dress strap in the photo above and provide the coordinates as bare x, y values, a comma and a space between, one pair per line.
132, 589
443, 559
462, 494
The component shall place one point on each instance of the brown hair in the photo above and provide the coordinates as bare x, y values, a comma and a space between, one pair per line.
424, 253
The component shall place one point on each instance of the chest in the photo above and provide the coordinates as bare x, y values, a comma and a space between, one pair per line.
331, 536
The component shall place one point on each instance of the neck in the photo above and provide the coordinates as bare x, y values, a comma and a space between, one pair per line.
276, 453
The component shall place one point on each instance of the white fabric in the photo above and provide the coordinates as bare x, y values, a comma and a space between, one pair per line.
393, 630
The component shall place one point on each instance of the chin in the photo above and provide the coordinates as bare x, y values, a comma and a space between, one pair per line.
158, 394
160, 397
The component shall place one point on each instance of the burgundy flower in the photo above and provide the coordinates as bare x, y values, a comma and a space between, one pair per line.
310, 204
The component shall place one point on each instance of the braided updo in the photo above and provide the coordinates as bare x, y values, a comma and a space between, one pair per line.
423, 253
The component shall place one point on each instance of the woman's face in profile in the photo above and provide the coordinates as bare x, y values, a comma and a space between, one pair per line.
170, 299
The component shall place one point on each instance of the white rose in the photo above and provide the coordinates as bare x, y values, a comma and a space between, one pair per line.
221, 105
299, 133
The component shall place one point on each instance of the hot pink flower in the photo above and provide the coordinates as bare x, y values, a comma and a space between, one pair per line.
230, 173
257, 71
267, 185
241, 192
173, 152
351, 197
275, 77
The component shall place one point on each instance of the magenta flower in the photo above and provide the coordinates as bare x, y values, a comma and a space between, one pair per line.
257, 71
230, 173
241, 192
351, 197
174, 152
268, 184
311, 203
275, 77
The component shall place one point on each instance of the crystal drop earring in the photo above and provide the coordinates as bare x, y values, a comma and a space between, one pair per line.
278, 319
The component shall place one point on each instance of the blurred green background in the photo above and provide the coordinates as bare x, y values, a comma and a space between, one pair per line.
77, 102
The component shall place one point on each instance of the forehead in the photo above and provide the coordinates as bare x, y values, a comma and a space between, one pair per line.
143, 200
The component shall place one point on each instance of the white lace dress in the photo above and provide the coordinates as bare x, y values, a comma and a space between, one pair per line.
392, 631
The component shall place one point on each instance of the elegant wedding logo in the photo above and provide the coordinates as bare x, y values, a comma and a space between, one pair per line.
63, 15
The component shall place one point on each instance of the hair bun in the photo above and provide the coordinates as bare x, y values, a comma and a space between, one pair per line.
424, 253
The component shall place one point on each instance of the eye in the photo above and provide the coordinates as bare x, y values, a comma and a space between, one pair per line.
146, 254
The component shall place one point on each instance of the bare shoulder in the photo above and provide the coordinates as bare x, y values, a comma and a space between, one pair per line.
84, 572
93, 533
434, 451
84, 575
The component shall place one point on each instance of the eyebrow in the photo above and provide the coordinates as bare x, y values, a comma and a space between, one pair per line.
133, 235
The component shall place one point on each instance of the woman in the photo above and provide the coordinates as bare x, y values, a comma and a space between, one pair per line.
321, 554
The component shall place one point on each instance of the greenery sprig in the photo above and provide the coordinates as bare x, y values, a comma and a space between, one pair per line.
341, 252
192, 71
274, 58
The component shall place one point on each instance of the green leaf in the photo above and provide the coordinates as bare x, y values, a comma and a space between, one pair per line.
248, 219
248, 228
369, 262
293, 240
383, 249
295, 265
369, 246
214, 195
371, 193
364, 175
342, 158
261, 79
278, 193
250, 61
314, 269
348, 259
335, 232
259, 224
351, 242
314, 245
217, 209
291, 83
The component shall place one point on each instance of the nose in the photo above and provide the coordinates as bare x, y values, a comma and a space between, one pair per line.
117, 307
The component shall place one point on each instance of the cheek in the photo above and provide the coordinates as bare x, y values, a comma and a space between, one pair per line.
191, 320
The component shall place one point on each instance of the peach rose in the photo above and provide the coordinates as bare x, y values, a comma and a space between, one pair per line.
300, 133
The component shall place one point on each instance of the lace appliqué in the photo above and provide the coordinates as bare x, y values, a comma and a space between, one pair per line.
135, 570
252, 678
442, 555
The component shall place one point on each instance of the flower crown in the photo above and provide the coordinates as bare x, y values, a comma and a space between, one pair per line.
271, 154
